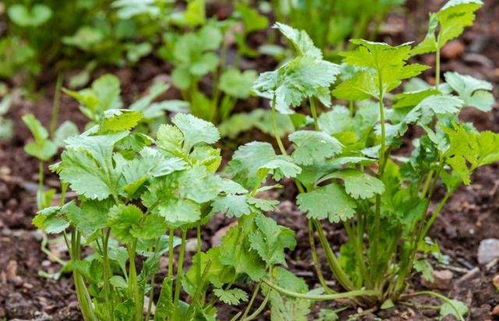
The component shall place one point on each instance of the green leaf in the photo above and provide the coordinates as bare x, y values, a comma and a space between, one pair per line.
42, 148
450, 21
196, 130
299, 79
232, 205
231, 296
436, 105
300, 40
24, 17
104, 95
307, 75
90, 216
270, 240
470, 150
413, 98
474, 92
381, 65
236, 83
252, 162
123, 219
329, 202
179, 212
66, 130
51, 219
251, 18
450, 309
425, 268
314, 146
199, 184
117, 120
284, 308
170, 139
359, 184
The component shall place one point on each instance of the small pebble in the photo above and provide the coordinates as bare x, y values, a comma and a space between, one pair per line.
488, 251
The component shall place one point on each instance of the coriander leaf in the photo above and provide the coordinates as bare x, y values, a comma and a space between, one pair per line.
236, 83
170, 139
117, 120
470, 150
90, 216
300, 40
231, 296
51, 219
305, 76
436, 105
285, 308
475, 92
42, 148
232, 205
413, 98
84, 174
123, 219
252, 162
198, 184
270, 240
196, 130
314, 146
67, 129
359, 184
329, 202
179, 212
449, 308
425, 268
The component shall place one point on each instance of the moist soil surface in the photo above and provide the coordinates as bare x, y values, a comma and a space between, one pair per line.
31, 289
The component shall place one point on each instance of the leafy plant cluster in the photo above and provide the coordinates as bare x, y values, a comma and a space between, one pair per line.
331, 23
144, 187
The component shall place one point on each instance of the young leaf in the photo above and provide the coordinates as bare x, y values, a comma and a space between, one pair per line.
305, 76
252, 162
450, 309
284, 308
42, 148
359, 184
475, 92
469, 150
123, 219
270, 240
314, 146
117, 120
236, 83
196, 130
329, 202
231, 296
451, 20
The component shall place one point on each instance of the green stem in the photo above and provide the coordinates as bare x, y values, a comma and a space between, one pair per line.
315, 258
252, 300
437, 69
259, 310
439, 296
313, 110
107, 274
325, 297
84, 300
56, 105
334, 264
171, 236
274, 126
133, 284
152, 284
180, 269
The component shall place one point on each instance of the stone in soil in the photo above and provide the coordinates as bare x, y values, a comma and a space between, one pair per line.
488, 251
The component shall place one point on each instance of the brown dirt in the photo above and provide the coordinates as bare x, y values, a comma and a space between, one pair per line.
470, 216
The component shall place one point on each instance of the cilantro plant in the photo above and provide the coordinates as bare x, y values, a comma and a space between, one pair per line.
103, 99
6, 125
203, 52
43, 148
135, 195
351, 171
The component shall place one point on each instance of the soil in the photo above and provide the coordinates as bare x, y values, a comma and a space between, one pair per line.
469, 217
